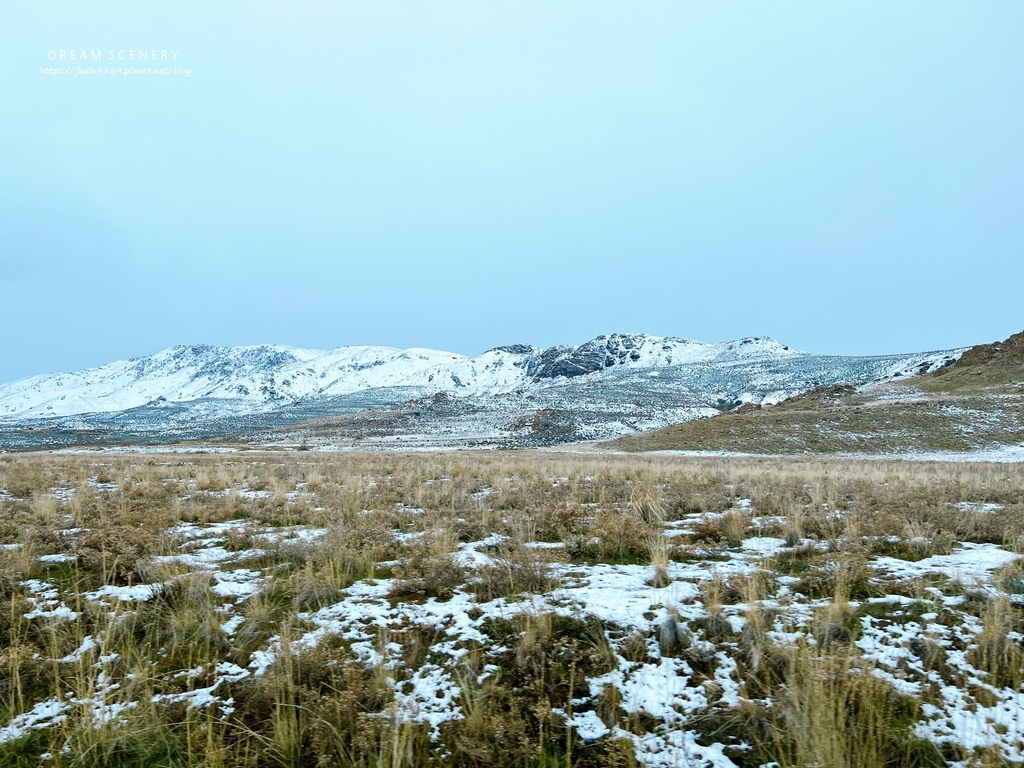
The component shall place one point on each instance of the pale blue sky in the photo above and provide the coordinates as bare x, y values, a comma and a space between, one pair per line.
846, 177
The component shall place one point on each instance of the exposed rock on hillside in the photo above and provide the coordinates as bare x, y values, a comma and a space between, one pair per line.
1009, 352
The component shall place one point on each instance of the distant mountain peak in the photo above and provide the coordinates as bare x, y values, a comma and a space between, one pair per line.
220, 382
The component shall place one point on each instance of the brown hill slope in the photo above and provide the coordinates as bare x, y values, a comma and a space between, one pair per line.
978, 402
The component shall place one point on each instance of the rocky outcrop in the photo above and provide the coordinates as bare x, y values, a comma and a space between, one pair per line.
598, 354
1009, 352
515, 349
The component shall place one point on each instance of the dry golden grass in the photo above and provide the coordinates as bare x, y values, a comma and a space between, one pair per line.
412, 523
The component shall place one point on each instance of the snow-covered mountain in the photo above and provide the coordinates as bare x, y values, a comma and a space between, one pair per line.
670, 379
269, 376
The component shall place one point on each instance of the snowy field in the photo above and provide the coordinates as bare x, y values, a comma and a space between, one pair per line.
1003, 454
510, 609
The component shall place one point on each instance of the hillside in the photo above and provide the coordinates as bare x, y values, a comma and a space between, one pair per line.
975, 404
516, 395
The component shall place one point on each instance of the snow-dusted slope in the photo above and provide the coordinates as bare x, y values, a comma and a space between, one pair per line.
266, 377
514, 395
256, 377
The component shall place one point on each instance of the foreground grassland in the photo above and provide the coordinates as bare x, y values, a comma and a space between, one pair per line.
526, 609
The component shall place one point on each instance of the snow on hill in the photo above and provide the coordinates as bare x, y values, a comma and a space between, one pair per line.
515, 395
266, 377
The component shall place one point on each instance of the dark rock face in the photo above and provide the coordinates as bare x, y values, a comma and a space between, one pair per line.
727, 404
602, 352
514, 349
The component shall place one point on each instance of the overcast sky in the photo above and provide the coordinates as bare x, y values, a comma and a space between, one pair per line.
845, 177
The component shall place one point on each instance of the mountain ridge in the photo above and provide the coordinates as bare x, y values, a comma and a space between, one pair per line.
516, 394
282, 373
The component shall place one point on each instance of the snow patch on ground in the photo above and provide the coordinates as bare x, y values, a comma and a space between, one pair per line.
620, 595
971, 564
